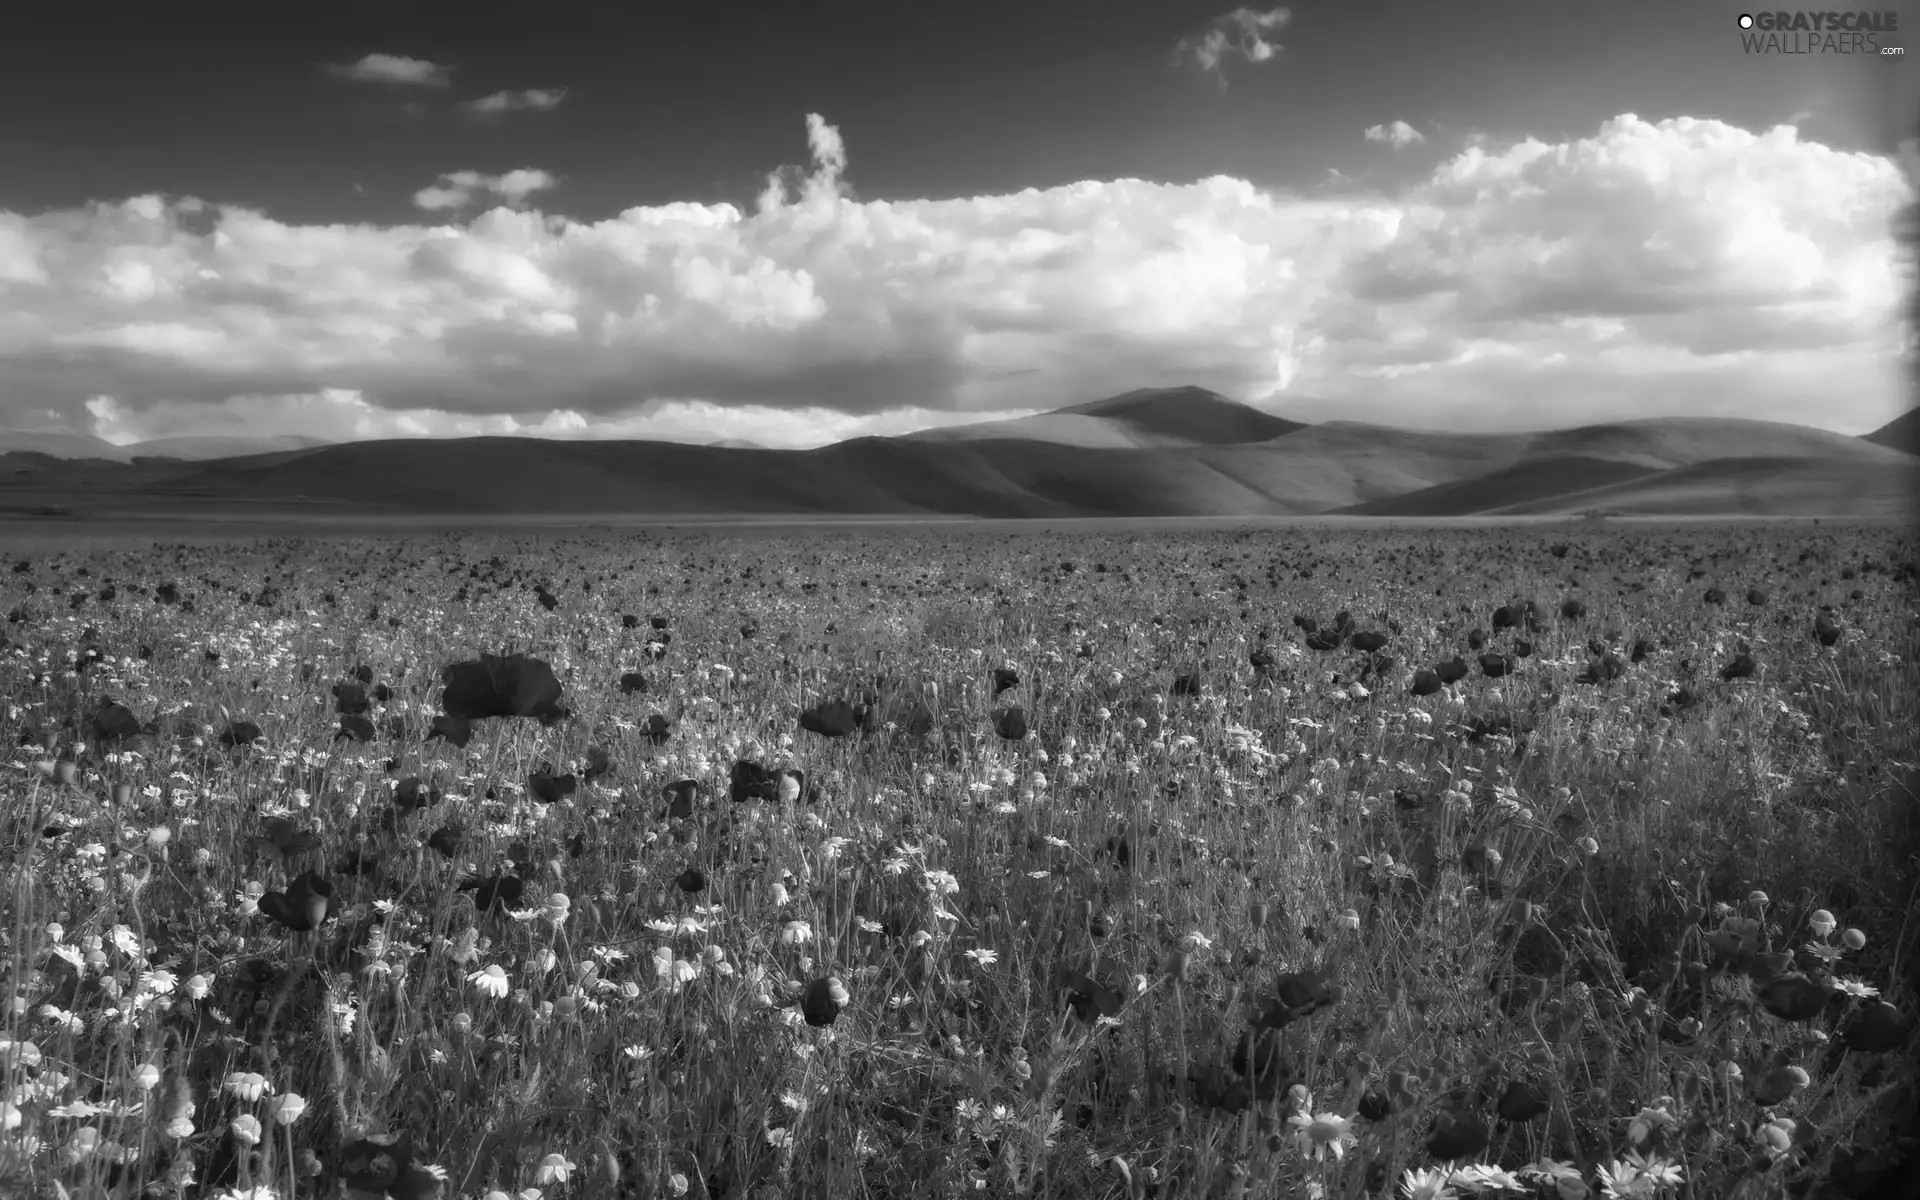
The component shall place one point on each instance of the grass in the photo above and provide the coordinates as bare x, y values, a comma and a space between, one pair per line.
1298, 934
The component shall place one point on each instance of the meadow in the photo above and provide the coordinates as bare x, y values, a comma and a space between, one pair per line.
1544, 860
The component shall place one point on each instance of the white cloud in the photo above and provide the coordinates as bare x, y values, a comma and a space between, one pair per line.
457, 189
527, 100
396, 69
1399, 135
1241, 33
1680, 266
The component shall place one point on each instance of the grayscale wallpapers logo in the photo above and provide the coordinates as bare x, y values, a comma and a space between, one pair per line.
1864, 33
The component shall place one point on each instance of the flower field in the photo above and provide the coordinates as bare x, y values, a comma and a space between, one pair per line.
1555, 861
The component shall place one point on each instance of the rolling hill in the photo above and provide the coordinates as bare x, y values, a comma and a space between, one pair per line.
1166, 452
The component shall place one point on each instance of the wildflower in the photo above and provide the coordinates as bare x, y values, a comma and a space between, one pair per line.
796, 933
985, 958
1198, 941
146, 1076
287, 1107
491, 980
556, 908
1821, 922
1853, 939
1426, 1183
554, 1168
1316, 1135
247, 1085
246, 1129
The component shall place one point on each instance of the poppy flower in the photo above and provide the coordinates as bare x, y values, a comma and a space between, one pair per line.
410, 794
1260, 1055
358, 729
1742, 667
1088, 997
446, 840
1493, 666
1476, 639
1876, 1028
547, 599
1757, 596
1262, 660
1010, 723
1005, 678
1794, 997
659, 729
1323, 640
832, 719
1297, 994
1826, 630
1573, 610
1642, 650
822, 1001
1214, 1088
679, 796
501, 891
629, 621
632, 681
1715, 596
749, 780
1457, 1133
240, 733
1521, 1101
549, 788
456, 731
599, 766
513, 685
1368, 641
691, 880
1507, 616
1425, 683
1452, 671
113, 721
1375, 1105
350, 699
303, 906
279, 835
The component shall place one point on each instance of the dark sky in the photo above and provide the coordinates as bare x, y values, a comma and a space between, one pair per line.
667, 102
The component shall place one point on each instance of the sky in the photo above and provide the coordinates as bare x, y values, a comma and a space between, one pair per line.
799, 222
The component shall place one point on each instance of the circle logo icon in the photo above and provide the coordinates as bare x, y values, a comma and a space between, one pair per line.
1746, 20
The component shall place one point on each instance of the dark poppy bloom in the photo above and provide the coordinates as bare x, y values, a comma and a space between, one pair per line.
1493, 666
832, 719
1375, 1105
629, 621
1601, 670
659, 729
547, 599
1457, 1133
1877, 1027
1742, 667
692, 880
1715, 596
383, 1164
751, 781
1010, 722
1368, 641
457, 731
513, 685
1297, 994
357, 728
1260, 1055
303, 907
822, 1000
1324, 640
113, 721
1573, 610
446, 840
279, 835
633, 681
240, 733
1005, 678
1757, 596
680, 795
1794, 997
1425, 683
1826, 630
349, 699
1304, 623
599, 766
410, 794
1262, 660
1507, 616
497, 891
1642, 650
549, 788
1088, 997
1522, 1101
1476, 638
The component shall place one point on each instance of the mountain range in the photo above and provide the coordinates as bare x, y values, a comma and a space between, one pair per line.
1170, 452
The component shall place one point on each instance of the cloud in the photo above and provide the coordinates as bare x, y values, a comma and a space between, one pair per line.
1649, 268
458, 189
1240, 33
527, 100
395, 69
1399, 135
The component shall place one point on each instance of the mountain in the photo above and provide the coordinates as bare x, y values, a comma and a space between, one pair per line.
1901, 433
1141, 419
63, 445
1186, 452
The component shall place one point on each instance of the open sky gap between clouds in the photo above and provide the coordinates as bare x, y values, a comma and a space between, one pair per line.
1679, 267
